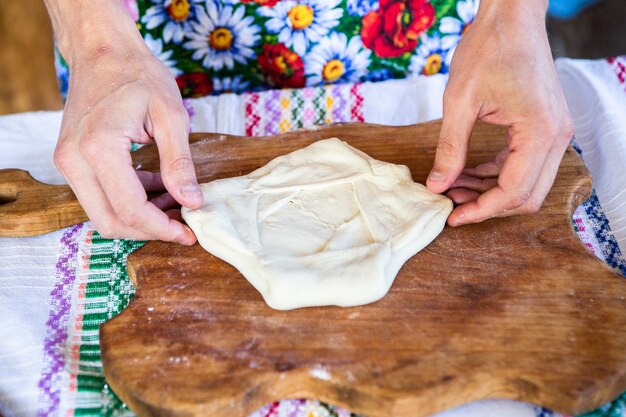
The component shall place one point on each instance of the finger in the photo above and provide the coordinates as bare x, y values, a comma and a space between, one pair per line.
462, 195
164, 202
459, 117
544, 184
141, 137
119, 181
96, 205
171, 133
151, 181
489, 169
174, 214
518, 178
486, 170
475, 184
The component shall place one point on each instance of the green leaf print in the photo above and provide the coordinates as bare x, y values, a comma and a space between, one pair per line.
444, 8
398, 66
350, 25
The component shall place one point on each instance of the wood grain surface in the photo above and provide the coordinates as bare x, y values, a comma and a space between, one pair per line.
510, 308
29, 207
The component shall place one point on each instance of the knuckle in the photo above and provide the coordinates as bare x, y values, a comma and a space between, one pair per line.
448, 148
554, 130
62, 157
459, 92
182, 114
519, 199
552, 133
132, 212
175, 113
542, 139
91, 146
106, 230
449, 96
532, 206
546, 119
567, 131
129, 215
180, 163
106, 233
450, 100
452, 94
546, 122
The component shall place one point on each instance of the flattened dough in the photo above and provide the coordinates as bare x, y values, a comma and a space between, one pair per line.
324, 225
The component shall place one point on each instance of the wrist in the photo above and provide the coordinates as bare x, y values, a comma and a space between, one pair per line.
513, 11
87, 29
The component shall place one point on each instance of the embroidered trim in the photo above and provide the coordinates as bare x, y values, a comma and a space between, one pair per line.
56, 326
278, 111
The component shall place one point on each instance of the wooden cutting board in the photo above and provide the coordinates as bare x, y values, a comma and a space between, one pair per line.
509, 308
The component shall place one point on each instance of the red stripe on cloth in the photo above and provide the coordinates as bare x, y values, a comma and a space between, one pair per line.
252, 117
619, 66
357, 103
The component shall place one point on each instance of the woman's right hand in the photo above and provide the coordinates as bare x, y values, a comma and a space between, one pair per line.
118, 95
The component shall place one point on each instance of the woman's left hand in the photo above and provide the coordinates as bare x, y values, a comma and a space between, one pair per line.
502, 73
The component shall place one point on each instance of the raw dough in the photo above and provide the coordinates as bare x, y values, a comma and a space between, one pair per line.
324, 225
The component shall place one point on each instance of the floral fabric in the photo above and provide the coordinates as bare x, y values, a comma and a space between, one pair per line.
217, 46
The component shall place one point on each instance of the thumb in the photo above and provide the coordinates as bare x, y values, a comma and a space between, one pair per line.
171, 135
456, 129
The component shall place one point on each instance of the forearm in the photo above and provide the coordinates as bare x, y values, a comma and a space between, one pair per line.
92, 27
512, 11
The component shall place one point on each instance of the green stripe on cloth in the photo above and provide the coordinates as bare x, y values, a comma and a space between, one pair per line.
297, 107
107, 293
319, 106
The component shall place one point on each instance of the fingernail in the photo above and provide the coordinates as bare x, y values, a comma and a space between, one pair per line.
436, 176
456, 218
188, 239
191, 190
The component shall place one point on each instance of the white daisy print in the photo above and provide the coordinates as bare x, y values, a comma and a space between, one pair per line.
361, 7
223, 36
156, 47
234, 84
334, 59
300, 22
430, 57
176, 15
452, 28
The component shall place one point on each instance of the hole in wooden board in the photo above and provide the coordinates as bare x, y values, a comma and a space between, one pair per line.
6, 197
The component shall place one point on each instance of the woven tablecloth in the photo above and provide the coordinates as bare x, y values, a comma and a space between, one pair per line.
56, 289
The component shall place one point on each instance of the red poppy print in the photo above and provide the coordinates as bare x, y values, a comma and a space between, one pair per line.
395, 27
195, 84
283, 66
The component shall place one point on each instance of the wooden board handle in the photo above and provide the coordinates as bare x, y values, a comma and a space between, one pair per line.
29, 207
